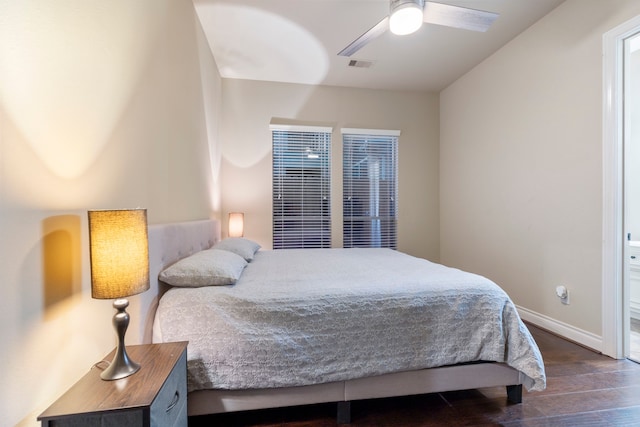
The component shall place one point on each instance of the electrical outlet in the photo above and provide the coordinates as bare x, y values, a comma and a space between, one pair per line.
563, 293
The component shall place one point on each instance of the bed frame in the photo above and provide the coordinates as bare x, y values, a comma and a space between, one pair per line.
171, 242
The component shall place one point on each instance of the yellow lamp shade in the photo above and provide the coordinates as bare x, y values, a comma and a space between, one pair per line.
236, 224
119, 252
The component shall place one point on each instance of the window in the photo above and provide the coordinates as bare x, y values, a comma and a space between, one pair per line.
370, 188
301, 187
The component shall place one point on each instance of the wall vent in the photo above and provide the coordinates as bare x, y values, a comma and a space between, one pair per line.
359, 63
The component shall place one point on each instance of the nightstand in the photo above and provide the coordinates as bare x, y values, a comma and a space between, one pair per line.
156, 395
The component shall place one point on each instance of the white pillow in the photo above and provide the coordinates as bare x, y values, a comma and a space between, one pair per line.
210, 267
238, 245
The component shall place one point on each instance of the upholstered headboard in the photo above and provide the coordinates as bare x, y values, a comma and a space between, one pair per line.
167, 244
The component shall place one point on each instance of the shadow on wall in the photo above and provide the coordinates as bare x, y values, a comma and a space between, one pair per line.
61, 259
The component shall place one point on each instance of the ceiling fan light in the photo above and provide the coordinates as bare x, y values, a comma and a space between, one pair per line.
406, 17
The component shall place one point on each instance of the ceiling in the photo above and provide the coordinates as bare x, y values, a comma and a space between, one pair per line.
297, 41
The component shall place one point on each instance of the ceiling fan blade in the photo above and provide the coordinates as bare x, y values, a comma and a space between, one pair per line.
361, 41
458, 17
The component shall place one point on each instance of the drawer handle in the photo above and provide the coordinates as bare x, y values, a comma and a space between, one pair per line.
633, 257
174, 402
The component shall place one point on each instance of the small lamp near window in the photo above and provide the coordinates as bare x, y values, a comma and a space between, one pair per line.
119, 252
406, 16
236, 224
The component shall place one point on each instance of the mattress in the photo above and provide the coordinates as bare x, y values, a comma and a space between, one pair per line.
309, 316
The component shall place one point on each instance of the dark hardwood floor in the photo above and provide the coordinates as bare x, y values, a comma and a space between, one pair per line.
583, 389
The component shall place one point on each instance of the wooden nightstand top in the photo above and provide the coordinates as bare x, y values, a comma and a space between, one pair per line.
92, 394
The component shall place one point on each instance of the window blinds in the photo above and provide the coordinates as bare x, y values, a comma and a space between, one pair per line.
301, 187
370, 187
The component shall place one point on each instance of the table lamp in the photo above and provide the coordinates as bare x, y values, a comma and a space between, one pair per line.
119, 253
236, 224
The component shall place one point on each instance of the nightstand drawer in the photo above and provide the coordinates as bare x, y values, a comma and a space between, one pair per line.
171, 401
117, 419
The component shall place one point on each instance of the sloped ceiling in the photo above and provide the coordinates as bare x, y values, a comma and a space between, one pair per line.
297, 41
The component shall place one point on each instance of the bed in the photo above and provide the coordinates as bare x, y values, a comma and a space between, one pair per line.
330, 325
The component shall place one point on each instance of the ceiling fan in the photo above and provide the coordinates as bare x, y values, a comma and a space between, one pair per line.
406, 16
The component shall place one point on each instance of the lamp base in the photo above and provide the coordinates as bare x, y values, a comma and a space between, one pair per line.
121, 366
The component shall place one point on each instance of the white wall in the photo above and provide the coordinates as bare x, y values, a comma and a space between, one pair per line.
521, 164
250, 106
103, 105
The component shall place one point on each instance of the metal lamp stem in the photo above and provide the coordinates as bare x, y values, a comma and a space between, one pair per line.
121, 366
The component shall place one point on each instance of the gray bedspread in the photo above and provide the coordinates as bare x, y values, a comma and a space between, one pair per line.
300, 317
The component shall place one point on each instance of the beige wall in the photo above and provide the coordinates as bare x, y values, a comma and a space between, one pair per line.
250, 106
103, 105
521, 163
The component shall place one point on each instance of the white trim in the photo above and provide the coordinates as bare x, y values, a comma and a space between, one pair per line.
378, 132
572, 333
300, 128
612, 198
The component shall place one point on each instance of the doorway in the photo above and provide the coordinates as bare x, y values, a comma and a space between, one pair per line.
618, 239
631, 185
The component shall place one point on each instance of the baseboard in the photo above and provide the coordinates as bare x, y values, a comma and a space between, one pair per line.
565, 330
